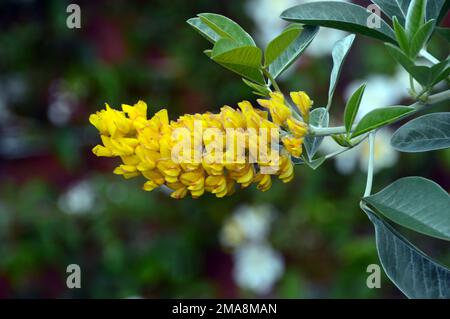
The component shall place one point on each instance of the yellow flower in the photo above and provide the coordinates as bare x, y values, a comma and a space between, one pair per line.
303, 103
286, 172
277, 107
297, 128
208, 159
293, 145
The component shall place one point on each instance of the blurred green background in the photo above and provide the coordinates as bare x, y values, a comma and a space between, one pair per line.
61, 205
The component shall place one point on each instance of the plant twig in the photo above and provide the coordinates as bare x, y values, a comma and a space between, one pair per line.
427, 55
369, 183
345, 149
432, 99
272, 80
411, 84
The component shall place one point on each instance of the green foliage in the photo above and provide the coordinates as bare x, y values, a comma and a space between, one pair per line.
381, 117
396, 8
414, 273
415, 203
319, 118
426, 133
435, 9
425, 75
261, 90
222, 27
204, 30
339, 53
235, 49
243, 60
339, 15
421, 38
415, 17
278, 45
293, 51
400, 35
342, 140
315, 163
352, 107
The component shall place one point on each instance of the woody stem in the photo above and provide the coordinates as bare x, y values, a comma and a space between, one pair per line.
431, 100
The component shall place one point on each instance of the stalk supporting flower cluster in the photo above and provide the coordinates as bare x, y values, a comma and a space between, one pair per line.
155, 149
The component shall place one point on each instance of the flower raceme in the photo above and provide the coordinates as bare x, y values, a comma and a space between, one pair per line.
206, 152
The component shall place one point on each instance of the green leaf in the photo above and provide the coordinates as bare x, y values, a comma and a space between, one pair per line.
278, 45
315, 163
352, 107
429, 76
435, 9
394, 8
208, 33
426, 133
415, 203
401, 36
342, 140
293, 51
421, 38
415, 17
320, 118
399, 56
261, 89
244, 60
381, 117
413, 272
226, 28
339, 15
340, 52
421, 73
440, 71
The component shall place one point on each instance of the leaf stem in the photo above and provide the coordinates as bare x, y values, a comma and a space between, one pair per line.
438, 97
328, 107
427, 55
411, 84
325, 131
369, 182
272, 80
346, 149
432, 99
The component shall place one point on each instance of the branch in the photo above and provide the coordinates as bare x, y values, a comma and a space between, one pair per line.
368, 190
432, 99
272, 80
426, 55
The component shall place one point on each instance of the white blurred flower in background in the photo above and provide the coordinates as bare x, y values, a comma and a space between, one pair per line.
381, 91
78, 199
257, 267
61, 105
266, 15
248, 223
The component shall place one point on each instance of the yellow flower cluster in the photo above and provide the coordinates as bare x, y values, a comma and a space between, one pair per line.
146, 146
